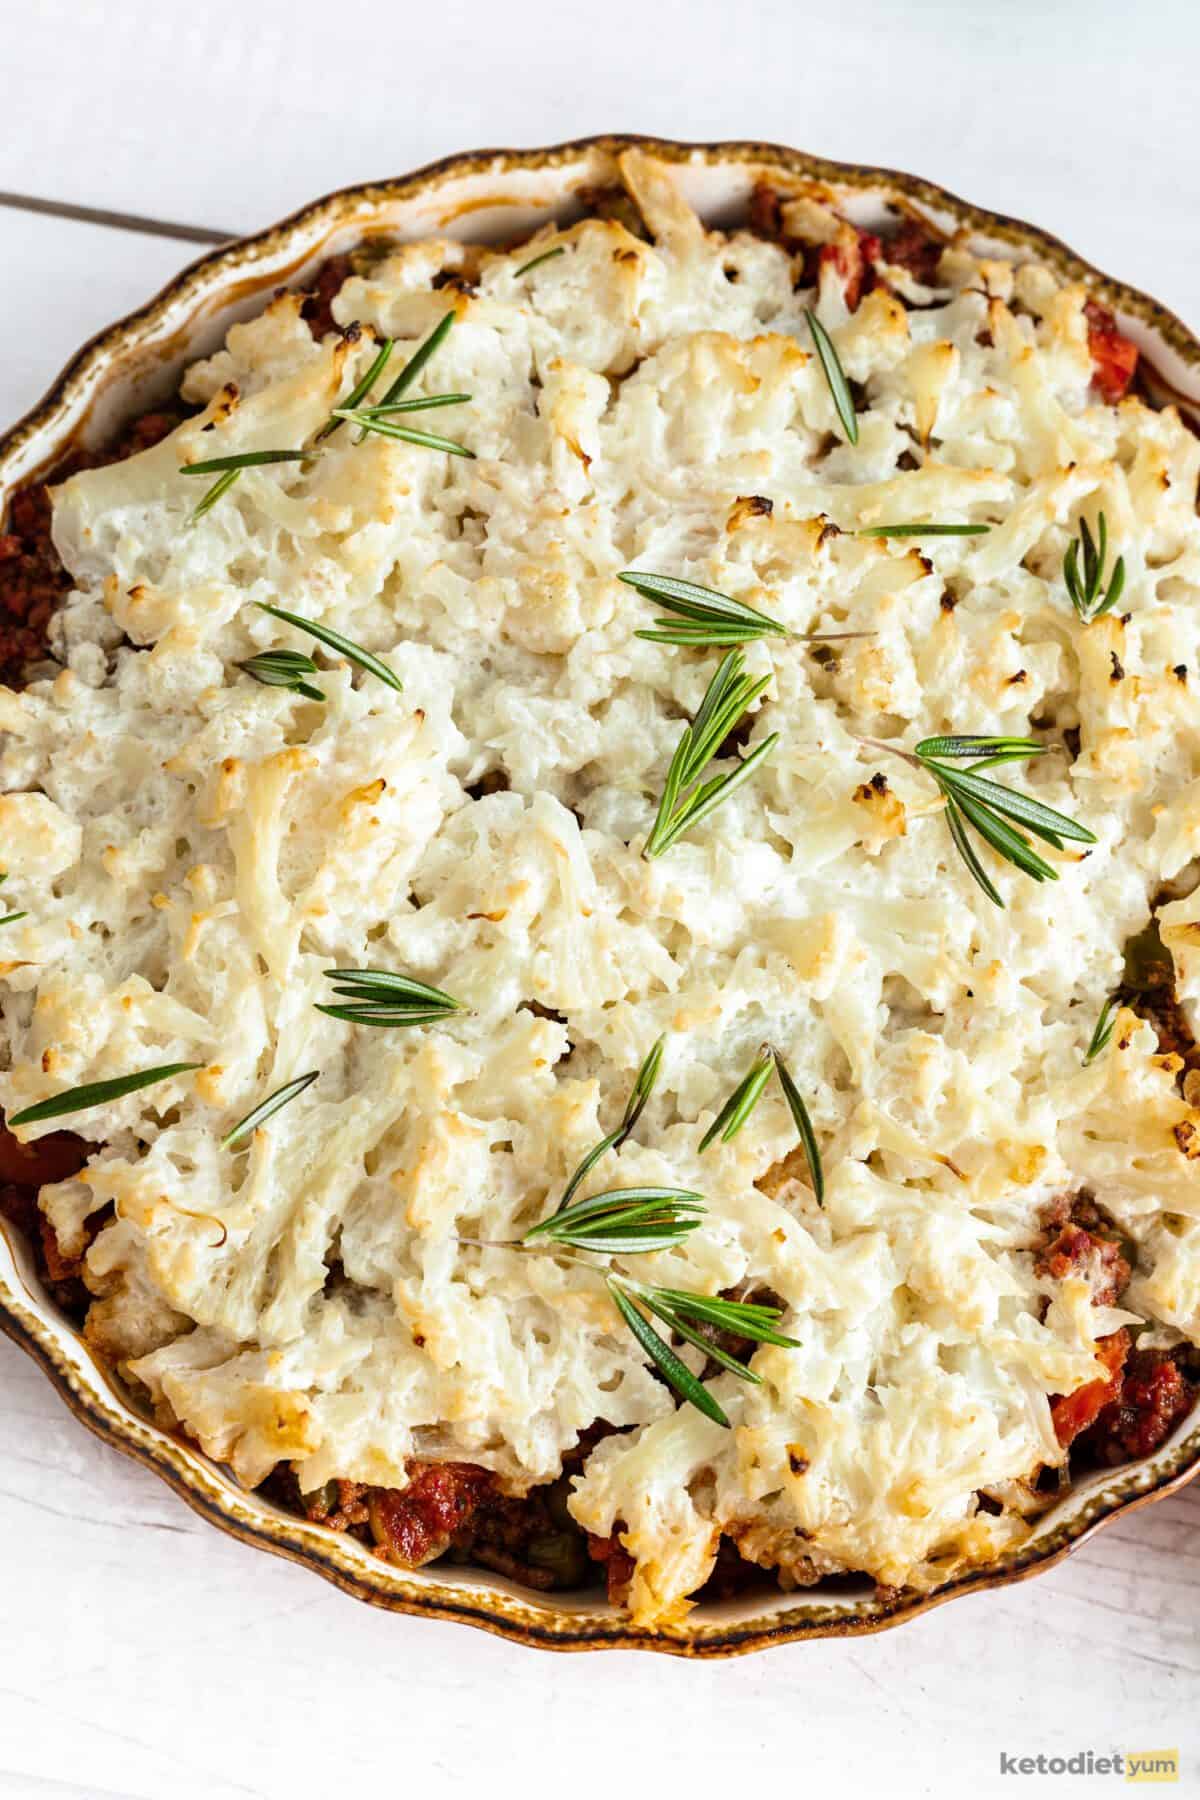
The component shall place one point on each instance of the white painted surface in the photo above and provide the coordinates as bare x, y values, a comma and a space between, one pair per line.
142, 1654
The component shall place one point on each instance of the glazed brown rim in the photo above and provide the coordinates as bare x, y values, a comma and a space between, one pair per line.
529, 1621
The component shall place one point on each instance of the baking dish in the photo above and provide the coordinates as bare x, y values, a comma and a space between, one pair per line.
502, 196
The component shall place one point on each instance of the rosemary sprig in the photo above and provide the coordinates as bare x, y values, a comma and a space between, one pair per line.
1085, 587
377, 997
334, 640
284, 669
641, 1091
710, 618
995, 812
742, 1101
623, 1221
1105, 1025
745, 1098
928, 530
378, 420
682, 1312
228, 468
835, 375
98, 1093
258, 1115
730, 694
536, 262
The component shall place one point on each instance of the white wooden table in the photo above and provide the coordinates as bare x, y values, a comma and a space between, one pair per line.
141, 1653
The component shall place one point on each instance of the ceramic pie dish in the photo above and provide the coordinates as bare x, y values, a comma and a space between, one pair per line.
502, 197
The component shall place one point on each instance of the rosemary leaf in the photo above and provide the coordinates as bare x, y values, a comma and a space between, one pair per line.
220, 486
259, 1114
744, 1318
243, 459
536, 261
230, 467
835, 375
363, 1013
98, 1093
1105, 1025
1007, 843
335, 641
417, 403
996, 749
11, 918
930, 530
808, 1136
966, 849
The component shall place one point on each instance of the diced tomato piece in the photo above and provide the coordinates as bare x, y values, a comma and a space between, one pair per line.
1114, 358
1073, 1413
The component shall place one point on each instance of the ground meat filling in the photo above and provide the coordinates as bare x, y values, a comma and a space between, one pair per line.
317, 309
1148, 988
1154, 1395
1136, 1404
1087, 1243
32, 582
32, 579
457, 1510
24, 1170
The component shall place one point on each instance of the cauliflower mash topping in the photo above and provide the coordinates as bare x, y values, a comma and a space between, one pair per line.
194, 849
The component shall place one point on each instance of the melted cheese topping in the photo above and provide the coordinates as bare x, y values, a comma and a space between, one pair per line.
195, 849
